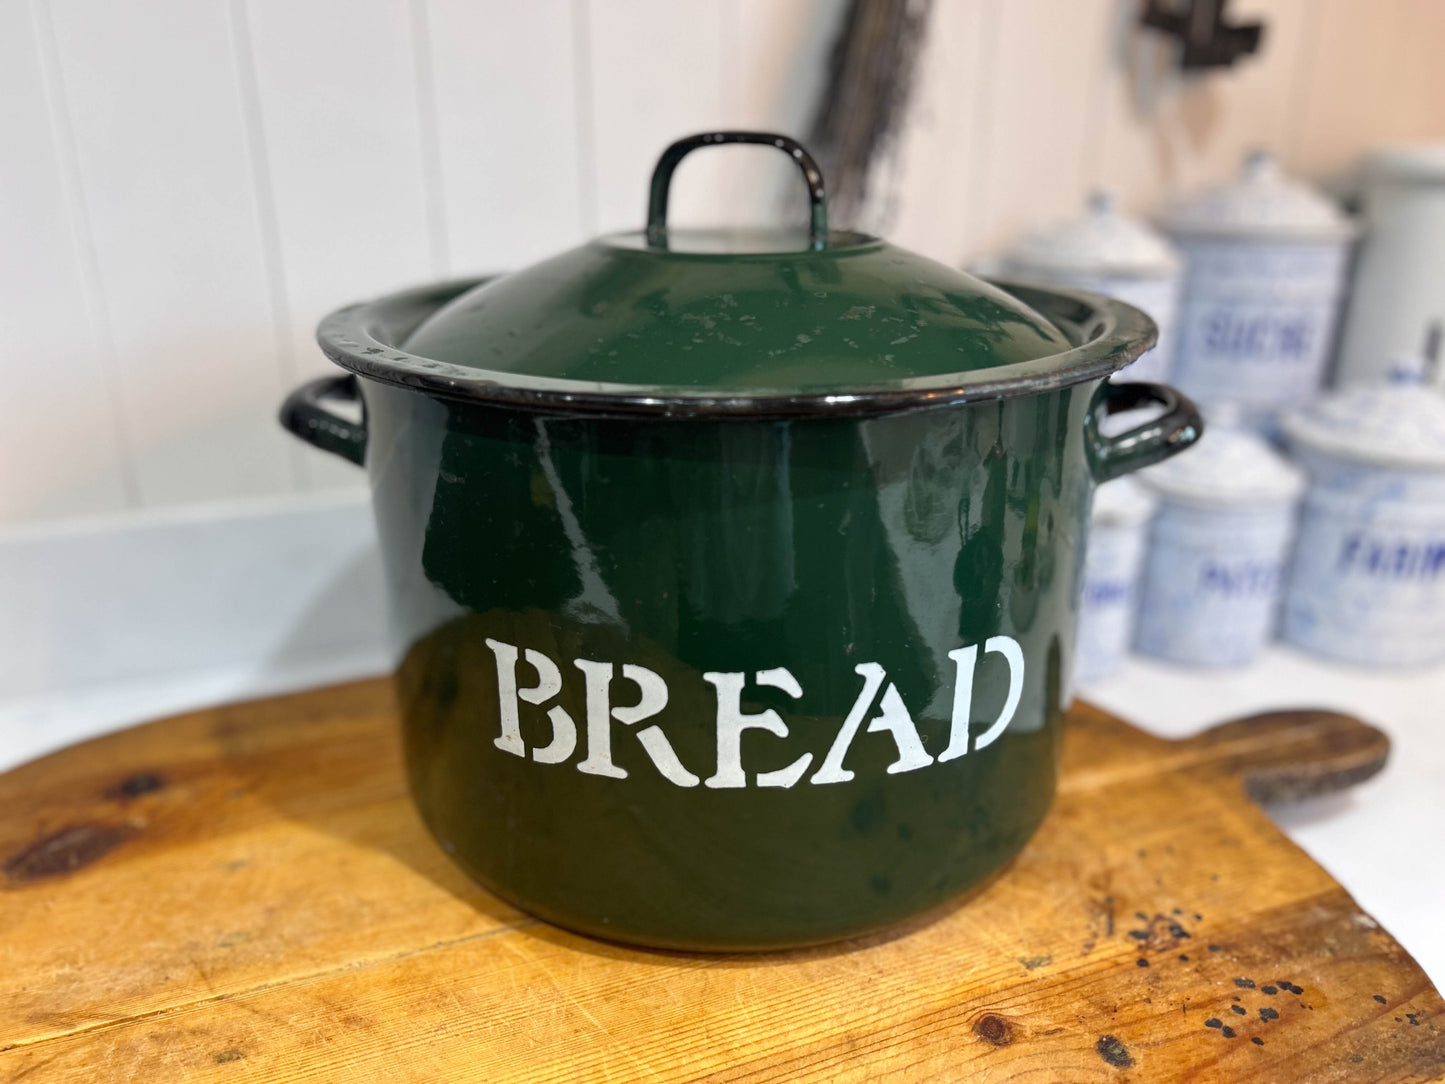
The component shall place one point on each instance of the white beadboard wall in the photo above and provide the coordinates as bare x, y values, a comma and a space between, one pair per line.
186, 186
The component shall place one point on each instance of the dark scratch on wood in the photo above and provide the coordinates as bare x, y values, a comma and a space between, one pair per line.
65, 851
135, 785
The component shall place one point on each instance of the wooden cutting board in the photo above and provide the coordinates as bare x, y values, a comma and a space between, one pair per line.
245, 894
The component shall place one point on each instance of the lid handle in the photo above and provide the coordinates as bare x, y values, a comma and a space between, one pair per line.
662, 180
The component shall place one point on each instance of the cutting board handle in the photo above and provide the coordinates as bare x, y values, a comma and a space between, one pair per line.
1285, 756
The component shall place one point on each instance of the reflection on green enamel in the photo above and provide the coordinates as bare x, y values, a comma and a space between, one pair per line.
700, 547
850, 315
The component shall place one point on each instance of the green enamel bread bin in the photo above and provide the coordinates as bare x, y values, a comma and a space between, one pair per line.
734, 574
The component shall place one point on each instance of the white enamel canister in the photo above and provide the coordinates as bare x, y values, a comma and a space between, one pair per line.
1218, 546
1399, 288
1368, 578
1110, 253
1118, 539
1265, 262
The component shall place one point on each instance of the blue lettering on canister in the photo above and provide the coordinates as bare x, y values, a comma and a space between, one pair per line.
1253, 335
1396, 560
1107, 592
1246, 579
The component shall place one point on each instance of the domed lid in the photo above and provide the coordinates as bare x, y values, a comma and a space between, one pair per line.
669, 321
1384, 425
1103, 240
1422, 163
737, 312
1262, 202
1122, 502
1228, 468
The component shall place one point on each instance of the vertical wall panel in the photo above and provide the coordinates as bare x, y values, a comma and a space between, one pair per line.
939, 173
506, 96
1374, 76
1043, 80
774, 58
60, 449
657, 73
344, 203
152, 91
1163, 133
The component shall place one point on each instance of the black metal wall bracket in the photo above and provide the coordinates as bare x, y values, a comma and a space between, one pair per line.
1209, 41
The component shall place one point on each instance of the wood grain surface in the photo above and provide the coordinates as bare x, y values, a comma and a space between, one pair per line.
245, 894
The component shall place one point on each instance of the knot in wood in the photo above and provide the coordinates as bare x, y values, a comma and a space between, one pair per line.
994, 1029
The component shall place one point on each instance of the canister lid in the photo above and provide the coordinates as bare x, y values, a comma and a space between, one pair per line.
1261, 202
1103, 240
1422, 163
1382, 425
1229, 467
669, 321
1122, 502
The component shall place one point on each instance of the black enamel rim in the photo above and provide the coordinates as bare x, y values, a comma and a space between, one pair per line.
363, 338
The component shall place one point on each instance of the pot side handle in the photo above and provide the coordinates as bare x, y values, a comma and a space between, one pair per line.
304, 413
1156, 440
